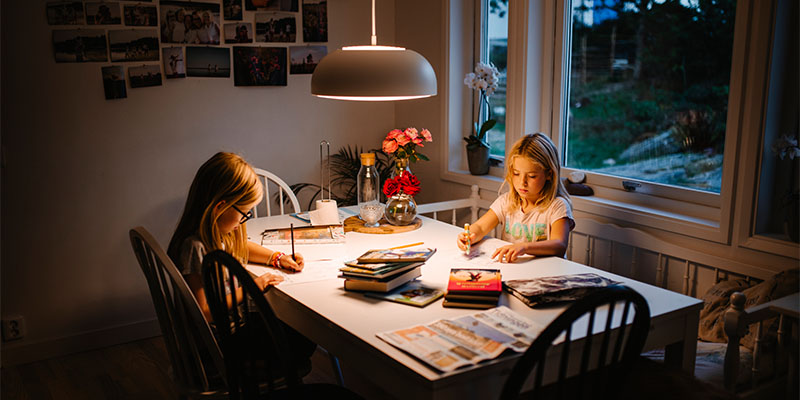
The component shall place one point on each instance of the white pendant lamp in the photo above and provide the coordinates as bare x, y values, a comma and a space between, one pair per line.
373, 73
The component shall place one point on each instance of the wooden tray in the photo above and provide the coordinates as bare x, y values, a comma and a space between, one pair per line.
355, 224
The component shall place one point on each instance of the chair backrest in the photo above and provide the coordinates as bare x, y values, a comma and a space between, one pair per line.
272, 183
187, 334
242, 346
608, 366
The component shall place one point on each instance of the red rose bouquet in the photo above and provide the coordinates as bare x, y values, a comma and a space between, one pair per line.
402, 184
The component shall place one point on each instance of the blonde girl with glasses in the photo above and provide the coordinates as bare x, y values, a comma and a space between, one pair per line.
220, 200
536, 213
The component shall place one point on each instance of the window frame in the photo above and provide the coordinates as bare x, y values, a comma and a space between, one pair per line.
750, 167
459, 103
694, 213
481, 49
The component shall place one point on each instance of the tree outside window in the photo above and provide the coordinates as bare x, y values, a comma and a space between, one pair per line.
648, 89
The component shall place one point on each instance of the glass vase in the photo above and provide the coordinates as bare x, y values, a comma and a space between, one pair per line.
401, 209
400, 167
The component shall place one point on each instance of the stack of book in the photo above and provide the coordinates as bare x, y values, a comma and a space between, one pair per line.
473, 288
385, 269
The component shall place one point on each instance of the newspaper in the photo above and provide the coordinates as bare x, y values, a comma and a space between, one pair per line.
447, 344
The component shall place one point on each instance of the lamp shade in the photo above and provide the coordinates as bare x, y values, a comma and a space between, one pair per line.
373, 73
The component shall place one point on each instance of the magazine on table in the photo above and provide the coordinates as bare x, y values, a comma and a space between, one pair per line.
304, 235
413, 293
447, 344
396, 255
554, 289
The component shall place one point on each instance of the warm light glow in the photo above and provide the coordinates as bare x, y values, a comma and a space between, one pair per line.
373, 98
373, 48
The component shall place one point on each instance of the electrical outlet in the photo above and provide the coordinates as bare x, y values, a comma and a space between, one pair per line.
13, 328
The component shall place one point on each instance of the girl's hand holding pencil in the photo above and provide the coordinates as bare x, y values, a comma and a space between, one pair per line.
465, 240
286, 262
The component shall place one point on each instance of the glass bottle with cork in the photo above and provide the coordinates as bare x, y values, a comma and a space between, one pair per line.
368, 185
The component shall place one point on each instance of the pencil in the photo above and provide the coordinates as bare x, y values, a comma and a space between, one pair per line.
466, 229
291, 229
406, 245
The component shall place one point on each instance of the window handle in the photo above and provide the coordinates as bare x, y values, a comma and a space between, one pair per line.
630, 186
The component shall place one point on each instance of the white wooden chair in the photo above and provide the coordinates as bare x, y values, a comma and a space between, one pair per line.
644, 257
273, 184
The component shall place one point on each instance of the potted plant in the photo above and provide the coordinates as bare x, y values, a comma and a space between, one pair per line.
484, 80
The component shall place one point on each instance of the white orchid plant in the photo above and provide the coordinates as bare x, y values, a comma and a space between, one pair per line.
484, 80
786, 146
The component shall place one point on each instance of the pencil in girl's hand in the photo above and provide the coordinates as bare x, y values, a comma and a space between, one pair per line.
291, 232
466, 230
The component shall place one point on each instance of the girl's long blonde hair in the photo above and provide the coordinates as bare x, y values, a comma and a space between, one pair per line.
539, 149
224, 177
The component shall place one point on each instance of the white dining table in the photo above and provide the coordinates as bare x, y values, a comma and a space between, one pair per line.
346, 323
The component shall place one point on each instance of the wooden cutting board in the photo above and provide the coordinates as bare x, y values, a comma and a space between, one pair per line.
355, 224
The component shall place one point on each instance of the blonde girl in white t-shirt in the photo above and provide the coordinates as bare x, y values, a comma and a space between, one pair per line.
536, 213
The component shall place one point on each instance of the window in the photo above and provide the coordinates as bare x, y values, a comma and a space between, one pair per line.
777, 210
648, 91
712, 94
494, 49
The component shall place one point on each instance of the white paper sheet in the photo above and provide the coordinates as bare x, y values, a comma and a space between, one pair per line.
322, 261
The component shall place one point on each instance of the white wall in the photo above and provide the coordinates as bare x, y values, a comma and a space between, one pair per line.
79, 171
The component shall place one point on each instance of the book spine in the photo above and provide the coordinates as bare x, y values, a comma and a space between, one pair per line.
374, 286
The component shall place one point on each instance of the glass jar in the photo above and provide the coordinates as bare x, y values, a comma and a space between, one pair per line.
368, 189
401, 209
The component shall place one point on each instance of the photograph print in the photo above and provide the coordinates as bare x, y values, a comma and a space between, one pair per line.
275, 27
315, 20
259, 66
275, 5
144, 76
103, 13
232, 10
140, 15
133, 44
174, 67
191, 22
80, 45
241, 32
114, 82
65, 13
305, 58
209, 62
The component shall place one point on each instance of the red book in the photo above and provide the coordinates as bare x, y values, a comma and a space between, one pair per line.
482, 282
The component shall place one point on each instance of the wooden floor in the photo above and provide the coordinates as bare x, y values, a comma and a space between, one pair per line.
136, 370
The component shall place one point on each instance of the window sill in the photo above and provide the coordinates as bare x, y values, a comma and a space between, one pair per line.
688, 225
623, 212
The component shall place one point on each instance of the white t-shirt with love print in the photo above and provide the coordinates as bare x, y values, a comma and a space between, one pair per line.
533, 226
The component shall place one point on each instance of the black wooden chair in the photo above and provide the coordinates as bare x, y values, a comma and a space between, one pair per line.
246, 348
595, 376
197, 365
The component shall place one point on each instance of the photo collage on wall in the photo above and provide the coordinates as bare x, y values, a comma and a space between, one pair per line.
260, 41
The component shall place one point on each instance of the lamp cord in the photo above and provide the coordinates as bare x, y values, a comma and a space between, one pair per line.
374, 37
